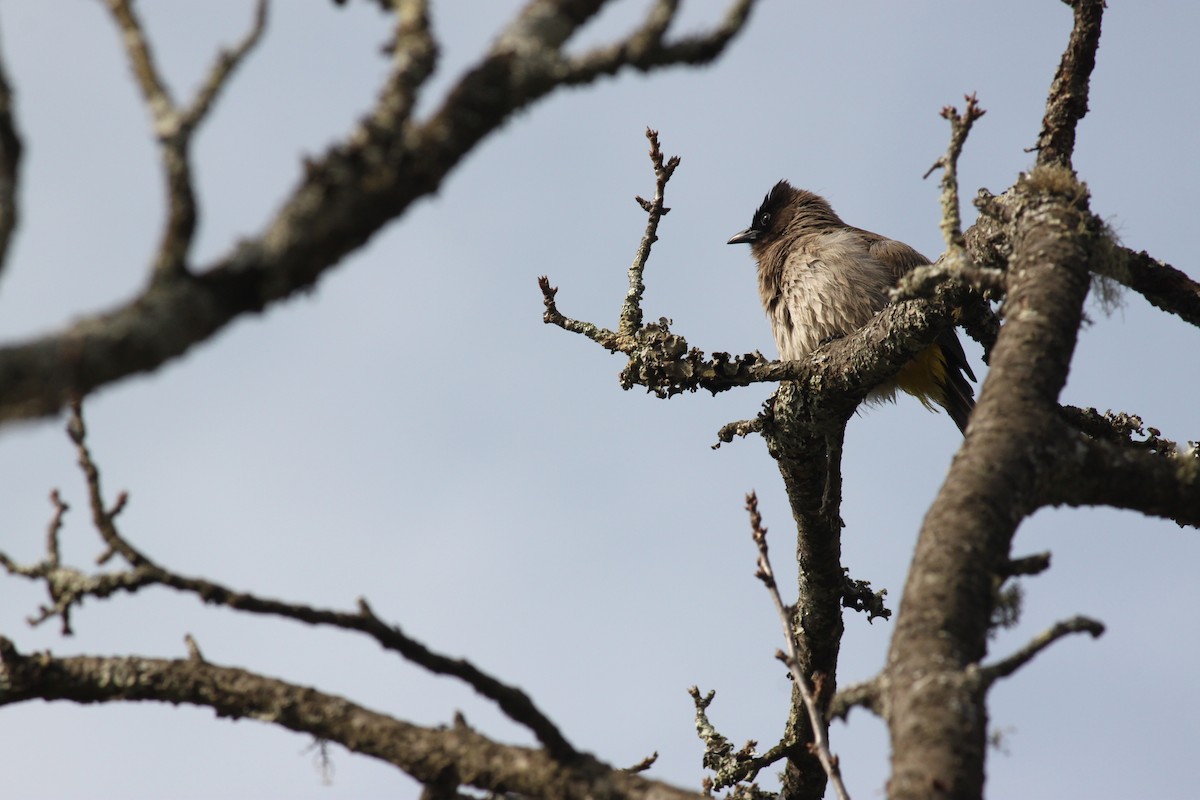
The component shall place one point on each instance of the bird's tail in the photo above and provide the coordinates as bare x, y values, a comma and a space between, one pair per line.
939, 374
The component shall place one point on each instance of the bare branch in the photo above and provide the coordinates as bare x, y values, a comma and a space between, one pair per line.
867, 694
69, 587
154, 88
344, 198
729, 766
1068, 99
1161, 482
645, 764
10, 166
174, 127
820, 726
646, 48
1035, 564
1164, 286
1002, 669
631, 309
414, 57
227, 61
960, 127
966, 536
741, 428
423, 753
102, 516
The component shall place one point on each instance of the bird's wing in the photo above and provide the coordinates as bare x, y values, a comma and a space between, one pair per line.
899, 257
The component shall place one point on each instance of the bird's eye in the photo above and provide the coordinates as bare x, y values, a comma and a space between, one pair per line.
764, 220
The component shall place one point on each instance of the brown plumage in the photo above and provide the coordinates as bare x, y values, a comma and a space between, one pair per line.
821, 279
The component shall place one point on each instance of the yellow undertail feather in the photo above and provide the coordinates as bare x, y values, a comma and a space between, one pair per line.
928, 378
925, 377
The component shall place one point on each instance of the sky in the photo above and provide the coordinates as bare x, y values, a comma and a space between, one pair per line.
411, 432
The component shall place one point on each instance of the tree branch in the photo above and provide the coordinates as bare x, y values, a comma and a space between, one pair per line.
10, 167
68, 588
960, 127
344, 198
1068, 98
1164, 286
174, 127
935, 710
1093, 472
1002, 669
816, 716
426, 754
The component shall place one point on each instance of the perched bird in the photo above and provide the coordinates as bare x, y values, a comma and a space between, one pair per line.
821, 279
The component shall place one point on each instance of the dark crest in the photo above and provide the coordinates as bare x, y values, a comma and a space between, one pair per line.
773, 204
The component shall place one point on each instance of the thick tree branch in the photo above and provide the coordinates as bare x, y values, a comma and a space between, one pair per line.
935, 707
1164, 286
344, 198
1093, 472
429, 755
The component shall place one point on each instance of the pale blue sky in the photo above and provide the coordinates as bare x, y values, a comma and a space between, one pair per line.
412, 432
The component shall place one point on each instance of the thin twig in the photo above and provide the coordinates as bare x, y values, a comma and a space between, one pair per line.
866, 694
69, 587
792, 659
1028, 565
631, 309
647, 48
741, 428
228, 60
174, 126
102, 516
1002, 669
960, 126
414, 57
154, 89
643, 765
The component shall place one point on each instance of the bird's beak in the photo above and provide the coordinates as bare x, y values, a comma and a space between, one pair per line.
744, 237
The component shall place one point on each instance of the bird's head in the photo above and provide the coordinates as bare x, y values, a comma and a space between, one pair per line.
785, 207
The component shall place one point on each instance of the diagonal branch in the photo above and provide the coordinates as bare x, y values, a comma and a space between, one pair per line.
69, 587
1068, 99
428, 754
1005, 667
343, 199
1164, 286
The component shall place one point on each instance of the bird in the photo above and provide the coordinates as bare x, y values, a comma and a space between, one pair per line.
820, 279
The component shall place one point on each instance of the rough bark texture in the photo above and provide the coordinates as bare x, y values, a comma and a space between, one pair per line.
934, 699
811, 469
